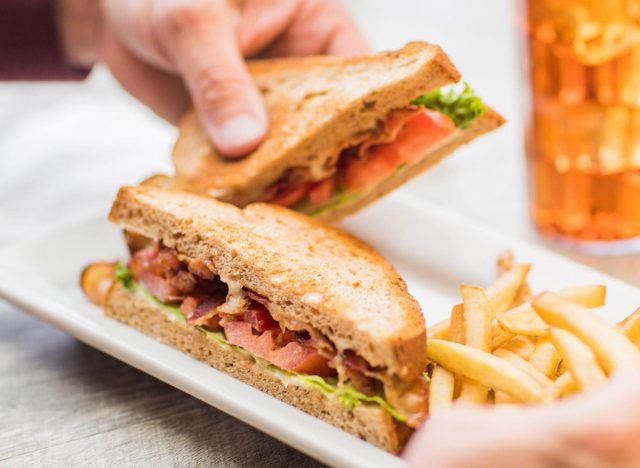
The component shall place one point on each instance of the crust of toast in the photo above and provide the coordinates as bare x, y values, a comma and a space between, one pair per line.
315, 105
489, 121
367, 421
312, 273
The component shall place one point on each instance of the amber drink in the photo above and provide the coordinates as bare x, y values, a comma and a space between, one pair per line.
582, 63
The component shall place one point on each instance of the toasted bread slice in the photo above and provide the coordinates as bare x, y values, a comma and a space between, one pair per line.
367, 421
311, 273
317, 106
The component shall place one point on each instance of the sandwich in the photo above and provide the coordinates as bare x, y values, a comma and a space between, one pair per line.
283, 302
343, 131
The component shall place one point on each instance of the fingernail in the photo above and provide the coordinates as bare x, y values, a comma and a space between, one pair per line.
239, 135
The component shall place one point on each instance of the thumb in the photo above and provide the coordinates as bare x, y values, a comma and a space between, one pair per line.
200, 39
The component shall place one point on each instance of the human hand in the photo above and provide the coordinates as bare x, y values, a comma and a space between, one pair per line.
168, 53
594, 430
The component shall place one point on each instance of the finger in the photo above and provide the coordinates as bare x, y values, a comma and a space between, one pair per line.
603, 423
165, 94
200, 38
319, 27
492, 439
128, 21
347, 40
262, 22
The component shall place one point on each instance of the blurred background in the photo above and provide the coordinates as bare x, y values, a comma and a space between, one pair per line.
74, 144
69, 146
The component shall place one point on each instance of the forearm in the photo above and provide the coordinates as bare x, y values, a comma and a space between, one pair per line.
48, 39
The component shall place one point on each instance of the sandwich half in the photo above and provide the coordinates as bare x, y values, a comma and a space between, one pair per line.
343, 131
289, 305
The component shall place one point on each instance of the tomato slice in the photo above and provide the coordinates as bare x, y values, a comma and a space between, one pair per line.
293, 356
289, 196
366, 172
297, 357
321, 192
421, 131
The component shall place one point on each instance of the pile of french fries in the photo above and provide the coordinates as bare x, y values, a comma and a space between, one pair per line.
502, 345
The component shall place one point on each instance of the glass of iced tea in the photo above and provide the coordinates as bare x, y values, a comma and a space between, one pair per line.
582, 68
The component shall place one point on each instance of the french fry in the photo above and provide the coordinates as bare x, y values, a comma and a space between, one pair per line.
477, 318
523, 346
502, 398
579, 359
489, 370
500, 337
456, 334
565, 384
439, 330
590, 296
612, 349
562, 369
545, 358
534, 373
505, 261
500, 295
523, 296
456, 331
441, 389
523, 320
477, 326
501, 346
630, 326
503, 291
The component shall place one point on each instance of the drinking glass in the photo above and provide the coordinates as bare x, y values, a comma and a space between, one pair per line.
582, 74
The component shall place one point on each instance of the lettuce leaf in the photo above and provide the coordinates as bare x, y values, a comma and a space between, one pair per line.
346, 393
349, 396
342, 197
458, 101
339, 198
125, 276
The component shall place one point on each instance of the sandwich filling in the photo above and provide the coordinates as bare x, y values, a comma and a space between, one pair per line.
190, 290
397, 143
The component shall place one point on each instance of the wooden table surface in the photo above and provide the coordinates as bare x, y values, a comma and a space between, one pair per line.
63, 403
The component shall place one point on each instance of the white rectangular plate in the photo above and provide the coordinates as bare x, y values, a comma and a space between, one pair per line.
434, 251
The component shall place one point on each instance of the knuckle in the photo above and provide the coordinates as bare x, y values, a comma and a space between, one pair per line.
216, 89
175, 17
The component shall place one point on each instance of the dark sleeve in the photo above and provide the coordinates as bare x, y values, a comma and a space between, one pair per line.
30, 48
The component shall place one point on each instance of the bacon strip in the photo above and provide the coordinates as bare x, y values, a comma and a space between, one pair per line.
291, 189
389, 131
201, 293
